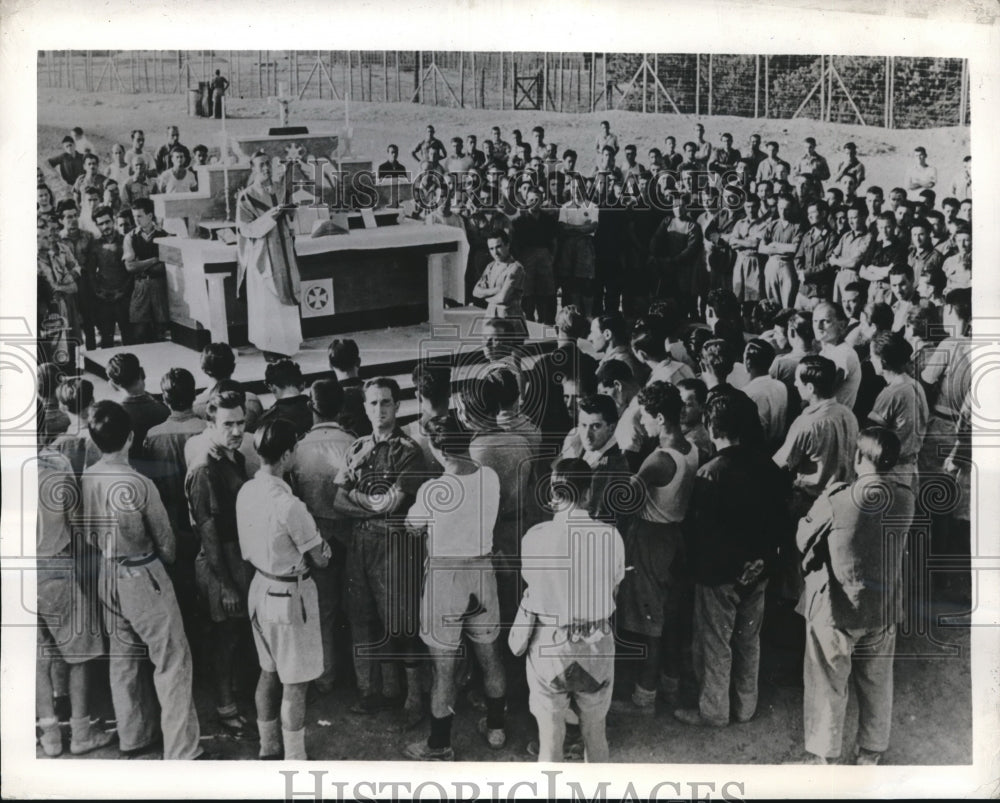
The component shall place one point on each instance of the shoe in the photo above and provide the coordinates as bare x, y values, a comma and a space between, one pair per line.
669, 688
642, 703
95, 741
496, 738
692, 716
324, 685
51, 740
572, 751
136, 752
373, 703
234, 726
206, 755
808, 758
421, 751
867, 757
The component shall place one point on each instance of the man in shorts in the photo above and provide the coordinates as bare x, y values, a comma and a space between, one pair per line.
568, 636
211, 486
460, 589
279, 537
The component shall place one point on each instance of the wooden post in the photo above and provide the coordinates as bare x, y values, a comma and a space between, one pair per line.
350, 74
756, 87
434, 75
145, 70
892, 91
829, 94
545, 79
399, 96
385, 76
418, 77
608, 95
697, 84
963, 102
645, 82
656, 74
475, 98
501, 81
461, 79
767, 91
822, 90
260, 73
709, 84
579, 80
559, 94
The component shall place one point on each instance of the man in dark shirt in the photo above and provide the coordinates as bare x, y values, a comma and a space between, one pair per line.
221, 575
345, 360
737, 513
69, 162
78, 241
429, 149
127, 377
111, 283
284, 379
534, 241
173, 142
391, 167
148, 313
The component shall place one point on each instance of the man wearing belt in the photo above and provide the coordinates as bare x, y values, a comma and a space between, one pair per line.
148, 308
375, 488
503, 280
780, 244
852, 558
212, 483
279, 537
67, 634
320, 456
567, 635
126, 519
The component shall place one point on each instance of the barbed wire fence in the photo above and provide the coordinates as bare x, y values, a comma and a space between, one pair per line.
886, 91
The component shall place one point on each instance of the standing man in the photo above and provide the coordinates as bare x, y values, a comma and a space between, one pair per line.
605, 139
148, 313
781, 242
266, 251
172, 143
279, 538
675, 254
391, 167
850, 172
211, 486
921, 176
568, 635
812, 258
852, 559
534, 235
319, 458
737, 513
69, 162
615, 379
576, 255
429, 149
773, 168
460, 590
810, 173
502, 283
140, 606
78, 242
609, 337
111, 282
219, 86
851, 251
89, 178
830, 324
376, 487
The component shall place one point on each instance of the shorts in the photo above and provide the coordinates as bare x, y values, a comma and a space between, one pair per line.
560, 671
652, 554
286, 630
459, 596
576, 258
209, 589
66, 626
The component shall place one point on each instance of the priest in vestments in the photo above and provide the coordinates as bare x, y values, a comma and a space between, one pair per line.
266, 257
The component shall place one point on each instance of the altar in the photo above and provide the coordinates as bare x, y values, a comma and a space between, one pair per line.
368, 278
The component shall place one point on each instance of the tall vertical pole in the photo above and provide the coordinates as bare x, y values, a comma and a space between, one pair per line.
502, 90
963, 103
545, 80
822, 91
608, 95
475, 83
260, 73
461, 79
656, 87
829, 93
645, 83
398, 91
560, 81
434, 75
709, 84
756, 87
697, 84
767, 81
892, 91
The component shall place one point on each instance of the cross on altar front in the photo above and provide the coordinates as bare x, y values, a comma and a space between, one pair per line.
282, 99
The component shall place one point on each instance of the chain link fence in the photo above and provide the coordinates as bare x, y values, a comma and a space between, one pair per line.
892, 92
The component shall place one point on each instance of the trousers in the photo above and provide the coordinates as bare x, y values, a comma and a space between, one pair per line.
833, 656
143, 619
726, 650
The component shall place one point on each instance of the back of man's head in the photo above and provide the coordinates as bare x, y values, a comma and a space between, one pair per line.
178, 389
344, 355
124, 370
109, 426
326, 398
283, 374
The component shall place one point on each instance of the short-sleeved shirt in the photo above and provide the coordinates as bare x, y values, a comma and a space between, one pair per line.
129, 519
275, 528
57, 488
495, 276
785, 233
629, 433
165, 465
460, 512
563, 556
144, 412
820, 445
70, 166
771, 397
846, 359
950, 365
925, 262
319, 458
168, 182
372, 465
211, 487
902, 407
925, 176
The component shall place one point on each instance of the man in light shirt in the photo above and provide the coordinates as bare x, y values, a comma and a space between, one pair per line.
921, 176
615, 379
830, 323
770, 395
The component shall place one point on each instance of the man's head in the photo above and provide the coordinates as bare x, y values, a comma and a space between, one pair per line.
877, 451
283, 376
810, 144
382, 402
110, 427
630, 152
69, 215
829, 321
105, 222
126, 373
393, 152
218, 361
173, 134
800, 331
456, 146
138, 138
139, 167
856, 219
814, 378
950, 206
76, 396
660, 405
963, 238
615, 379
447, 437
607, 330
755, 142
226, 415
901, 282
500, 335
69, 145
648, 340
569, 484
853, 300
920, 152
326, 398
432, 384
717, 359
275, 443
693, 395
177, 158
499, 246
772, 149
891, 352
958, 310
758, 356
723, 419
596, 419
816, 213
124, 222
90, 162
344, 356
142, 211
260, 164
178, 389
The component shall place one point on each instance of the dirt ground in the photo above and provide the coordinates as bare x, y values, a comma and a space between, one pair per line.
932, 713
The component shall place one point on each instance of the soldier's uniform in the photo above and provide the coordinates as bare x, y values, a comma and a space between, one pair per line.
852, 540
384, 562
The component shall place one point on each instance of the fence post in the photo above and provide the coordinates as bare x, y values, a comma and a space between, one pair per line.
656, 74
892, 91
709, 84
767, 91
963, 102
475, 97
697, 84
756, 87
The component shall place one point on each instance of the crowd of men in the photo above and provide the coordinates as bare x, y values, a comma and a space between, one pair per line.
643, 504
